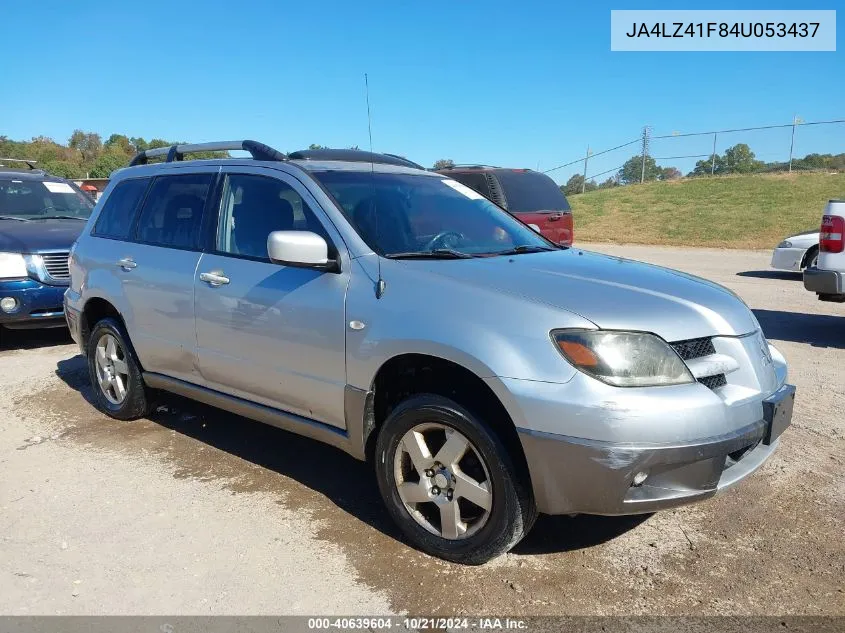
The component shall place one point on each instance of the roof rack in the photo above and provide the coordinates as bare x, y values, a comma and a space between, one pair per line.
353, 155
258, 151
470, 166
29, 163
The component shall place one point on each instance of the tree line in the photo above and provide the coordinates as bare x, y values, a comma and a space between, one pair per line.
87, 155
738, 159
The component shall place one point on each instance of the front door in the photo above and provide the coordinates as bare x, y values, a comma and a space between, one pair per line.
266, 332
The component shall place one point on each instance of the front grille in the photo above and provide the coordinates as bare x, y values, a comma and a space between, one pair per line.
713, 382
56, 266
694, 348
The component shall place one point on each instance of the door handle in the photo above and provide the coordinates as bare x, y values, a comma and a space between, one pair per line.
127, 263
214, 278
552, 218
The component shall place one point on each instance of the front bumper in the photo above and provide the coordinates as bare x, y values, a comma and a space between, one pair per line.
38, 305
788, 258
824, 282
572, 475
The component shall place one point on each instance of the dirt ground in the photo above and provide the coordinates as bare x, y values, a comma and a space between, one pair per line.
196, 511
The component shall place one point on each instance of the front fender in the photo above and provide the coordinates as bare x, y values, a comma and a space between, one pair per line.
487, 332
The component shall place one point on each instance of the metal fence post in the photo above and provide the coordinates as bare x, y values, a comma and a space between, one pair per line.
584, 181
713, 157
645, 153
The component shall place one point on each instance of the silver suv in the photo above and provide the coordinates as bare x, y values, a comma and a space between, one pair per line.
486, 373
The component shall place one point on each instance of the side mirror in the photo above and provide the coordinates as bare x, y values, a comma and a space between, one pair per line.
300, 248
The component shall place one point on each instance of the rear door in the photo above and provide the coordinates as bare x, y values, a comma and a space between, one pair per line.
156, 271
266, 332
535, 199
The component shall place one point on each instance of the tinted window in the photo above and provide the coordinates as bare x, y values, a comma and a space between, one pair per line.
118, 213
252, 207
403, 213
531, 191
478, 182
172, 213
41, 199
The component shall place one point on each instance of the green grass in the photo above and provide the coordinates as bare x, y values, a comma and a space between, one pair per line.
755, 211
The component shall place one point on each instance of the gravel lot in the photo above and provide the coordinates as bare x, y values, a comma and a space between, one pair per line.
199, 512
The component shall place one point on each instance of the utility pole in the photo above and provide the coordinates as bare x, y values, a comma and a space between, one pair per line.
645, 152
584, 181
795, 121
713, 156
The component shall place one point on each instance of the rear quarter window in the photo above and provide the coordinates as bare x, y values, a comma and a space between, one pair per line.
120, 208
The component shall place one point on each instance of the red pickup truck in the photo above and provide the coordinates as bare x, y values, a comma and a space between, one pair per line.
529, 195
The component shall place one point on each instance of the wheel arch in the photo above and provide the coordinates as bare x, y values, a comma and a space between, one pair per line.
808, 255
407, 374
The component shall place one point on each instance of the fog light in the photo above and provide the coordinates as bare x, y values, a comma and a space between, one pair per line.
8, 304
639, 478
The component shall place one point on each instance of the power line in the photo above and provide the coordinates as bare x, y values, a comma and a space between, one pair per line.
749, 129
679, 157
662, 136
594, 154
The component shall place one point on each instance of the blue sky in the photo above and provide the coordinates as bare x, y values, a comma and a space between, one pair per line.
509, 83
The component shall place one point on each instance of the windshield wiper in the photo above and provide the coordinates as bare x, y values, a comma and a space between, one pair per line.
13, 217
60, 217
437, 253
525, 248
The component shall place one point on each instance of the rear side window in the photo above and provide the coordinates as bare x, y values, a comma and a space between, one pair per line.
530, 191
478, 182
119, 210
172, 212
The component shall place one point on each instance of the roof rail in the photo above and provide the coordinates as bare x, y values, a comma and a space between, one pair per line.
259, 151
29, 163
469, 166
353, 155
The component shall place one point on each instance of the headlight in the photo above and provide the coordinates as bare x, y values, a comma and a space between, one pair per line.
785, 244
12, 265
623, 359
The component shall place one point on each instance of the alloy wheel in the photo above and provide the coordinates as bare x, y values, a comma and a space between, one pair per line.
112, 370
443, 481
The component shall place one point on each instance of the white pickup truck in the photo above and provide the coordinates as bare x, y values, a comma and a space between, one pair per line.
827, 277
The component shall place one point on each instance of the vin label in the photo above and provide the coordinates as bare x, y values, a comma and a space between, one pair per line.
670, 30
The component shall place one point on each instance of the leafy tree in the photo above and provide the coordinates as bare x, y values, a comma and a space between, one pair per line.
573, 185
88, 143
107, 162
609, 183
739, 159
315, 146
670, 173
632, 170
443, 163
120, 143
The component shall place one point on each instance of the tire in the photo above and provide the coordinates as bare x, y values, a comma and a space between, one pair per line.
812, 257
486, 533
136, 401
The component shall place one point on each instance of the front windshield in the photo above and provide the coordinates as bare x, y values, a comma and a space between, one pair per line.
400, 215
26, 199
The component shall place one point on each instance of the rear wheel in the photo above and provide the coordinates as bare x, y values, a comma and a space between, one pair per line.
119, 389
449, 482
811, 259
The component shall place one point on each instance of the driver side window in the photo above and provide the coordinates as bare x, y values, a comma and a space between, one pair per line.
252, 207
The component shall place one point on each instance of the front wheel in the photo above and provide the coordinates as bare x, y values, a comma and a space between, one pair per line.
449, 482
119, 389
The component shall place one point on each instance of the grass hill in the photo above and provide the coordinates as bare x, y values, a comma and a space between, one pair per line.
754, 211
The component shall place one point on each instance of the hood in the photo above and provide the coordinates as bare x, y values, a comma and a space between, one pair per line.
612, 292
38, 235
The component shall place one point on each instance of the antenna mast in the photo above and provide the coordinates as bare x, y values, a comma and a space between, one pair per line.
380, 285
